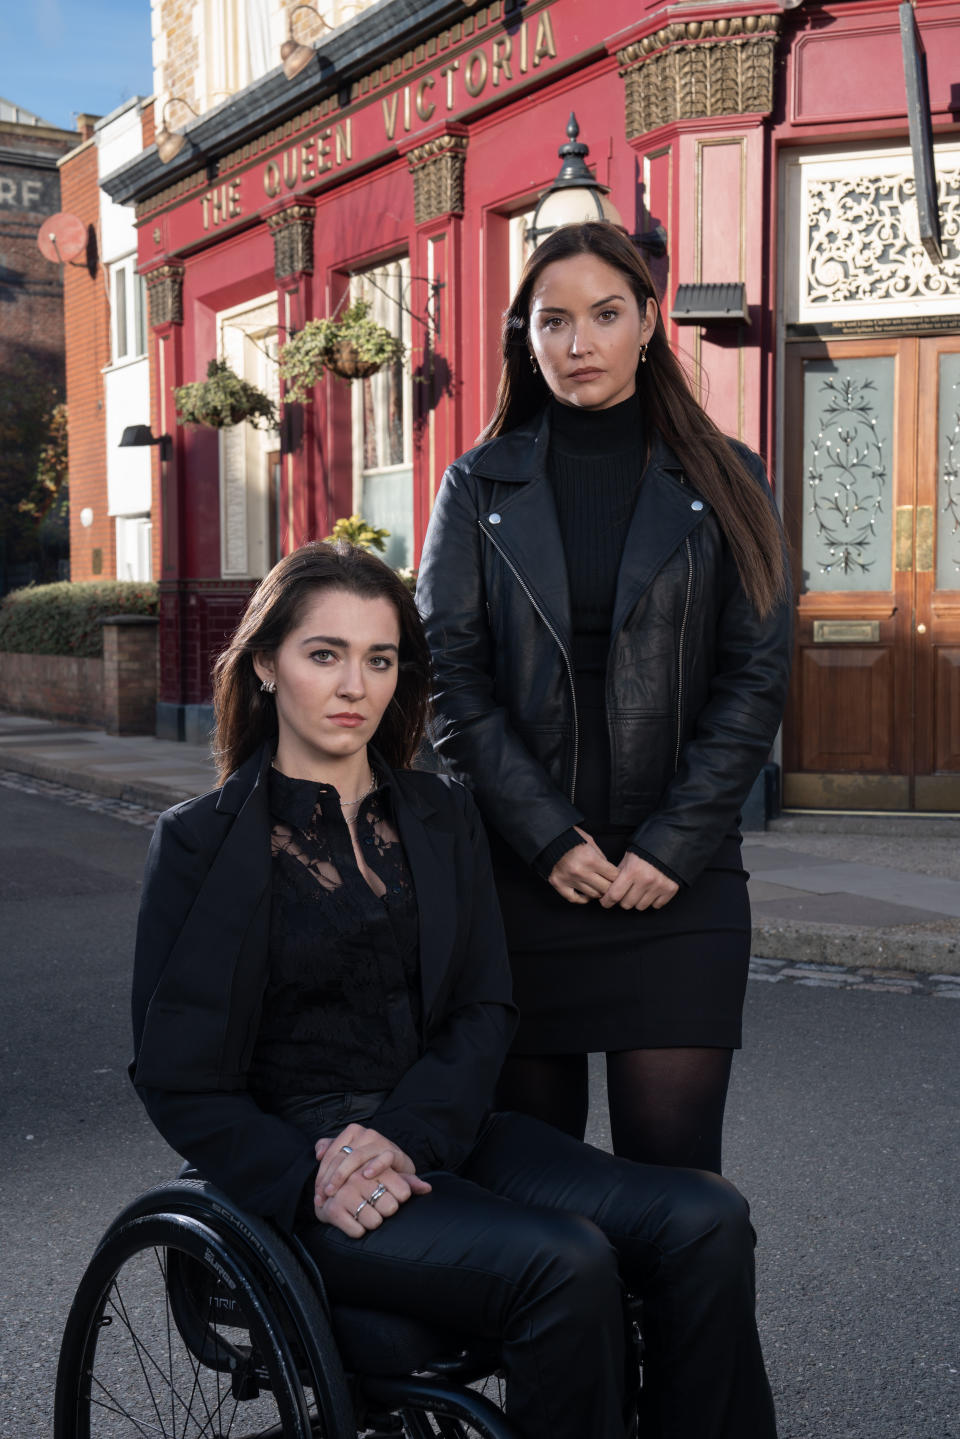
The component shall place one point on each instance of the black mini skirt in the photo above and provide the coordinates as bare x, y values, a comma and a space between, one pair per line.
589, 980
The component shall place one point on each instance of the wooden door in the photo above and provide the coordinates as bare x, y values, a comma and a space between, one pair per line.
937, 577
872, 505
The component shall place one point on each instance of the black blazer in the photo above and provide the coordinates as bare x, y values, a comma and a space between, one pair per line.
201, 967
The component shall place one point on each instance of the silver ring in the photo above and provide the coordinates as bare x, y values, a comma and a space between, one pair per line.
361, 1205
346, 1149
378, 1193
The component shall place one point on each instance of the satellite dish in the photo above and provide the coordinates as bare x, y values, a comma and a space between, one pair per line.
61, 238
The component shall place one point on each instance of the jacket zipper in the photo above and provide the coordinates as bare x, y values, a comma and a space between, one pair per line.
683, 639
560, 646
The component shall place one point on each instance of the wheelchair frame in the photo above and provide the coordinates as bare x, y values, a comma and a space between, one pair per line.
225, 1272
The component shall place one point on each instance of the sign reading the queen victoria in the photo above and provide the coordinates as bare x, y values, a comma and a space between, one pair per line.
444, 79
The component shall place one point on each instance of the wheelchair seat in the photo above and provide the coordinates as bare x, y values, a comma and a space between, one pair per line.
196, 1317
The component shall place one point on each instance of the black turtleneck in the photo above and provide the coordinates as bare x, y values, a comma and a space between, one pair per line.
594, 465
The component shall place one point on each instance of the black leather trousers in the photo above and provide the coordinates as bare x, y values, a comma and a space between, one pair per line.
531, 1244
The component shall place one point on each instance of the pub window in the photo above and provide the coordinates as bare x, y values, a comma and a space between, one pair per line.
383, 417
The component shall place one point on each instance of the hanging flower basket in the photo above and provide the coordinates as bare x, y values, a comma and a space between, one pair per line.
223, 399
353, 347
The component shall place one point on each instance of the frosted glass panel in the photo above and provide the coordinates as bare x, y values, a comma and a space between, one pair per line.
948, 473
388, 505
847, 469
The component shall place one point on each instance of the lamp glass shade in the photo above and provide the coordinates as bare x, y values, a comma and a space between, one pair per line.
295, 57
570, 206
168, 144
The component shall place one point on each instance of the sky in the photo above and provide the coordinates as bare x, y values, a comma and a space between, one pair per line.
61, 58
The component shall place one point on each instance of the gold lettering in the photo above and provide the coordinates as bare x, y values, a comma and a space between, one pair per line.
546, 46
324, 163
291, 168
307, 159
205, 210
389, 104
406, 107
501, 61
447, 73
425, 107
343, 135
476, 65
271, 179
523, 48
218, 206
233, 199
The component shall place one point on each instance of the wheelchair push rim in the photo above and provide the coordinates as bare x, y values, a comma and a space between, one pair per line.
136, 1362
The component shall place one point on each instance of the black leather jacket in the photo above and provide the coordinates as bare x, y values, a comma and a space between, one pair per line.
696, 681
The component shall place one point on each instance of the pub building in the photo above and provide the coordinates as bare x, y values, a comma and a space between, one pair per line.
762, 158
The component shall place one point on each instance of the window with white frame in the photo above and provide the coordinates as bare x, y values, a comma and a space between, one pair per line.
253, 530
128, 311
383, 417
134, 539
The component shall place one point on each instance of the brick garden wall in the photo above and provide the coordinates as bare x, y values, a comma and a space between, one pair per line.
56, 687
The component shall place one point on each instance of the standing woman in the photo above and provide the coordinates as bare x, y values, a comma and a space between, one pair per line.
605, 595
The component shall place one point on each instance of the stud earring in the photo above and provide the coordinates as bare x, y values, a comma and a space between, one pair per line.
643, 354
268, 687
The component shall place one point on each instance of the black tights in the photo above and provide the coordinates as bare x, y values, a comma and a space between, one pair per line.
666, 1105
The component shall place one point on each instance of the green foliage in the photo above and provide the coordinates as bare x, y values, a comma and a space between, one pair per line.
222, 399
48, 500
356, 531
409, 578
65, 619
351, 346
30, 387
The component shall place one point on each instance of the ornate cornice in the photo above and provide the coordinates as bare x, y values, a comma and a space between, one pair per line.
165, 295
699, 69
292, 231
437, 168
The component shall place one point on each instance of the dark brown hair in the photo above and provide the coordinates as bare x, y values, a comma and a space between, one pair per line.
245, 715
667, 405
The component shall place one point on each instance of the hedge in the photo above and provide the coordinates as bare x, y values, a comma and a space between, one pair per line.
65, 618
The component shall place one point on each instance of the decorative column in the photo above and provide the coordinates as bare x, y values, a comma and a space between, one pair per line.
438, 168
696, 94
699, 69
291, 225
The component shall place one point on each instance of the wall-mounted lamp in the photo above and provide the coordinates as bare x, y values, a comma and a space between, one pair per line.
86, 517
294, 56
136, 435
575, 194
168, 144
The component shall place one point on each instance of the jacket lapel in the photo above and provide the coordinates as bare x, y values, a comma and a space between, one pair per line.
431, 859
526, 530
663, 517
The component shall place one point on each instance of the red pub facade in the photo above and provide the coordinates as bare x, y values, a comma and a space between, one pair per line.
404, 164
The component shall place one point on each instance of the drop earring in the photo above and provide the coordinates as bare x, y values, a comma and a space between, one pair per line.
533, 364
643, 354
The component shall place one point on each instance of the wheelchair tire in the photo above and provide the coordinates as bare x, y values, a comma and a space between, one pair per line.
241, 1367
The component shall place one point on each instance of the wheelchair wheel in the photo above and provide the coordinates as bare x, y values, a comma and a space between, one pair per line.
176, 1330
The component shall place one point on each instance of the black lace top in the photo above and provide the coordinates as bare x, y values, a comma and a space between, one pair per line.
341, 1011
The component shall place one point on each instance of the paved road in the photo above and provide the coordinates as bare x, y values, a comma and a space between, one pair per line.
843, 1124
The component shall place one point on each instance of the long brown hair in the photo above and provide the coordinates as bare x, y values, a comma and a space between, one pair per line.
245, 715
667, 405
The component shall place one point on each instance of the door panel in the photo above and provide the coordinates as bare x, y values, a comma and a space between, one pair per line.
872, 488
847, 480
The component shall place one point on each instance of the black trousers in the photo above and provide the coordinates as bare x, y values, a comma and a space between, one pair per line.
531, 1244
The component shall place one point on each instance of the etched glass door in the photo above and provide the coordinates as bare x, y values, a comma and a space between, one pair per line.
872, 488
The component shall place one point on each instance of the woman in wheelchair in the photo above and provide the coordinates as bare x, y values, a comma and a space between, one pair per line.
321, 1008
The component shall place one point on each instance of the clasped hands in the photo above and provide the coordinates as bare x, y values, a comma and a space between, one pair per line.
585, 873
354, 1165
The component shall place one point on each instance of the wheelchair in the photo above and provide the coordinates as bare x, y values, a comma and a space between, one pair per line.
195, 1318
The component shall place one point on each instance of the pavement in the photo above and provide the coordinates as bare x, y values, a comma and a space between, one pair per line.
875, 895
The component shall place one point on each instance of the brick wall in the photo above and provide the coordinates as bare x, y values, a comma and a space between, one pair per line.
87, 328
148, 120
130, 675
52, 686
